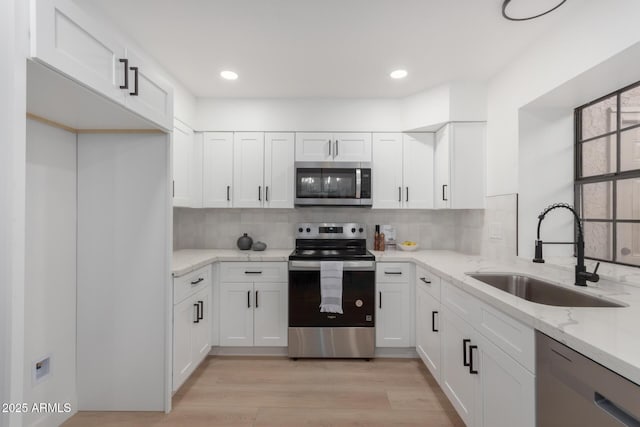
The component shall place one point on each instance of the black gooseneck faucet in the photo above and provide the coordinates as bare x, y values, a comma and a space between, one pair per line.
581, 271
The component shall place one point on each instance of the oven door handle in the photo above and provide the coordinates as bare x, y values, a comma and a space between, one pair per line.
347, 266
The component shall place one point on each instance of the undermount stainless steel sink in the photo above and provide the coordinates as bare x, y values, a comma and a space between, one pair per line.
539, 291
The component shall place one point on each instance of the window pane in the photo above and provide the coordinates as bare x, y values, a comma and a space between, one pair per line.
597, 239
599, 156
600, 118
630, 107
628, 198
597, 200
628, 250
630, 149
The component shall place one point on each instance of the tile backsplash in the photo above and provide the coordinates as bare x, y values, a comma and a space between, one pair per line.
220, 228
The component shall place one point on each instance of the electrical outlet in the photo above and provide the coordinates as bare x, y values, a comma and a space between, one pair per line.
41, 369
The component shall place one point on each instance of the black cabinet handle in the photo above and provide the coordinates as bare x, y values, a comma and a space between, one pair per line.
197, 313
433, 321
135, 81
471, 370
126, 73
399, 194
253, 272
379, 299
443, 190
393, 272
173, 188
424, 279
337, 148
201, 305
266, 193
195, 282
329, 148
259, 193
256, 299
407, 194
465, 341
228, 196
249, 300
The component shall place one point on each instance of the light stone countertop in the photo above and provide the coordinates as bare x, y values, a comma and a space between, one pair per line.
610, 336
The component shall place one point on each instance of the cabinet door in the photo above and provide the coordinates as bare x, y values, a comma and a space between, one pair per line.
278, 170
507, 389
270, 314
201, 342
393, 315
149, 94
314, 147
442, 169
236, 314
428, 330
69, 40
217, 169
458, 383
248, 169
184, 314
387, 170
467, 162
418, 170
352, 147
183, 159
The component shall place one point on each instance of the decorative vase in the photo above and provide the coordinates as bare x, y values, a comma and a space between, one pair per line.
245, 242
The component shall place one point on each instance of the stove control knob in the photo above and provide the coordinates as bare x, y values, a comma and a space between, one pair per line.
300, 230
353, 230
361, 229
308, 230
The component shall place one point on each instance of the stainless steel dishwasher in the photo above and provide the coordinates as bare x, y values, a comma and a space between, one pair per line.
573, 390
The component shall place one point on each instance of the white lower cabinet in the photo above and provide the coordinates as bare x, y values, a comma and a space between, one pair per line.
253, 304
394, 307
428, 319
191, 323
487, 386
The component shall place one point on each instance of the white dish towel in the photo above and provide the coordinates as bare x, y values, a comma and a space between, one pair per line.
331, 286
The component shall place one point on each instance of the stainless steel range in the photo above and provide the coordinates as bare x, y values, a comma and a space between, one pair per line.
313, 333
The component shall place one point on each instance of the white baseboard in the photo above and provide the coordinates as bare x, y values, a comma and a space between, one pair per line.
400, 353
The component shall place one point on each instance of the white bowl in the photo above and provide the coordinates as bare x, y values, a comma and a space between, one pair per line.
407, 248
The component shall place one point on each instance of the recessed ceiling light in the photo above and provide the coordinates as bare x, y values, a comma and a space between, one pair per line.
398, 74
229, 75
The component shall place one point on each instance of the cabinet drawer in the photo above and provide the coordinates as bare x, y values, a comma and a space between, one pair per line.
188, 284
254, 272
393, 272
428, 281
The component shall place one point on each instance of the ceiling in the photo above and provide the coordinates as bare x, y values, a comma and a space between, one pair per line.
328, 48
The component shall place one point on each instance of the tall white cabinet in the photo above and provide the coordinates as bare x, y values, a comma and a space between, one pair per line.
460, 166
403, 170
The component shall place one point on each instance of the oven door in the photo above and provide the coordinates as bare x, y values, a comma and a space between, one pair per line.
332, 184
358, 295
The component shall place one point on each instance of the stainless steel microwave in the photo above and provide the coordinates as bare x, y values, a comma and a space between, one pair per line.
333, 183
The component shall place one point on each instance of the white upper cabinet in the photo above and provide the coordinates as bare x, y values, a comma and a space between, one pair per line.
387, 170
417, 165
403, 170
69, 40
217, 169
66, 38
248, 169
150, 95
338, 147
183, 163
278, 170
460, 166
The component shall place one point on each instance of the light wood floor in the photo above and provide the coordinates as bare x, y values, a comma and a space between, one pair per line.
244, 391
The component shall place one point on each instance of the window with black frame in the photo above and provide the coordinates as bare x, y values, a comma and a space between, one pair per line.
607, 175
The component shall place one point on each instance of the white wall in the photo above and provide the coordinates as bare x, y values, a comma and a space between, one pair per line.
468, 102
377, 115
13, 45
425, 109
50, 280
598, 31
124, 283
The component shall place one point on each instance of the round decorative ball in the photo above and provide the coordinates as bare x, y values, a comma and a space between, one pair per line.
245, 242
